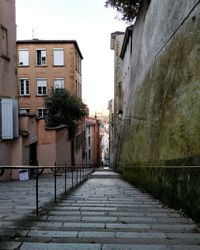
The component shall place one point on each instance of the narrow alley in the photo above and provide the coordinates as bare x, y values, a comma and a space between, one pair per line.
106, 213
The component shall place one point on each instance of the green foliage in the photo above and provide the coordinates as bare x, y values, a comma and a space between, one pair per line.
127, 8
64, 108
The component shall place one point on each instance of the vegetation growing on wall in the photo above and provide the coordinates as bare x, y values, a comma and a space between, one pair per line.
170, 94
176, 186
64, 108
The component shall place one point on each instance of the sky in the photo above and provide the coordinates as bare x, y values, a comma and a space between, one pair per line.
90, 24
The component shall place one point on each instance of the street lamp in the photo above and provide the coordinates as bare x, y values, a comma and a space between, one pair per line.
137, 117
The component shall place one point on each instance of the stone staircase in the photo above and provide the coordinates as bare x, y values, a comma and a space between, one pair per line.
104, 213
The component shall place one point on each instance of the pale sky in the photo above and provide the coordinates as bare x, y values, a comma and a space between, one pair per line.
90, 24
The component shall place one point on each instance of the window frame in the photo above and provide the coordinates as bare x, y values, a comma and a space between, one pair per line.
27, 59
4, 42
44, 80
25, 80
56, 59
59, 79
24, 113
44, 112
39, 61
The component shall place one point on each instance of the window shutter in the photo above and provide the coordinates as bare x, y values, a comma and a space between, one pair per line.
6, 119
58, 57
23, 57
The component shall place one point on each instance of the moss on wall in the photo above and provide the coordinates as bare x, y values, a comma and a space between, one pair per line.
169, 97
177, 187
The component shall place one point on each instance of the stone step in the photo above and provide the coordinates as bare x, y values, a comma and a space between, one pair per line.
102, 214
93, 246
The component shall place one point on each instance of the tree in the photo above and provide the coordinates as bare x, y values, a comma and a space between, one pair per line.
127, 8
64, 108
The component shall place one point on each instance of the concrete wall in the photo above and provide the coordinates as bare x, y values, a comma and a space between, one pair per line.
8, 87
164, 86
116, 45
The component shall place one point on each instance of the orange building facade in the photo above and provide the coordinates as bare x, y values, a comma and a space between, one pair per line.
46, 64
42, 65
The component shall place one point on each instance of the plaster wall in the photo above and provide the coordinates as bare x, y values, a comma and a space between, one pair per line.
8, 87
53, 145
63, 147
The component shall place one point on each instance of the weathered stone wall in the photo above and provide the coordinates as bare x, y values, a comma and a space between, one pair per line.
178, 187
165, 86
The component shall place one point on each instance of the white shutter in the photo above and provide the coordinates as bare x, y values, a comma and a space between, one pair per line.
41, 82
58, 57
23, 57
6, 118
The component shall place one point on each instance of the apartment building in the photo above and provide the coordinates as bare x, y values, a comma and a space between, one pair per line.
8, 86
42, 65
46, 64
93, 151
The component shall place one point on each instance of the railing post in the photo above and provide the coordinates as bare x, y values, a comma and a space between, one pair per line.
76, 175
65, 180
55, 173
72, 177
36, 185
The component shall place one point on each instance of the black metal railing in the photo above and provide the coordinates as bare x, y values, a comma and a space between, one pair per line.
77, 174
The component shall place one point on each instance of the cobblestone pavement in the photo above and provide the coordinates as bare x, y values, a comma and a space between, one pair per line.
103, 213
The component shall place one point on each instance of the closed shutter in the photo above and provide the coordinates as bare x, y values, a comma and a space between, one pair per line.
6, 118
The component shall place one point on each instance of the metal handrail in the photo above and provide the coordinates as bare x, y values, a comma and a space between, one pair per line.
81, 168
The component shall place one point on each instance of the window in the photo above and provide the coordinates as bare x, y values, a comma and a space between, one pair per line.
89, 154
41, 86
41, 112
4, 42
24, 111
41, 57
79, 65
76, 60
23, 57
59, 83
58, 57
89, 142
24, 87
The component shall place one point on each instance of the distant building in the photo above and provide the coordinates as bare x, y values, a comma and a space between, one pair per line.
104, 133
111, 131
116, 43
93, 152
8, 89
